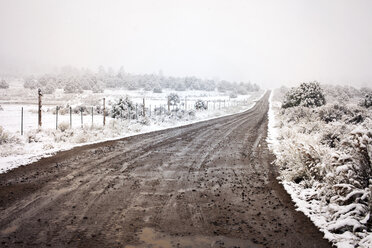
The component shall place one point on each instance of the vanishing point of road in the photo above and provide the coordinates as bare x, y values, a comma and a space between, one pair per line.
209, 184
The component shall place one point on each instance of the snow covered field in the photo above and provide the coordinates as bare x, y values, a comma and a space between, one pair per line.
36, 143
322, 164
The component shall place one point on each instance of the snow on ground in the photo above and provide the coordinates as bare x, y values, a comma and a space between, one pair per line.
337, 209
37, 143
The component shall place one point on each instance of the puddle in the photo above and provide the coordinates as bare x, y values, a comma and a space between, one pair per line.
150, 238
9, 230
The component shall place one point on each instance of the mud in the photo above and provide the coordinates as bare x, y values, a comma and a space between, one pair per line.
209, 184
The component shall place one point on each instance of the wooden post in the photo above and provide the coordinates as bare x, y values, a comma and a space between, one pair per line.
168, 104
22, 121
143, 110
150, 109
92, 116
136, 111
185, 103
104, 111
81, 113
70, 117
56, 117
39, 110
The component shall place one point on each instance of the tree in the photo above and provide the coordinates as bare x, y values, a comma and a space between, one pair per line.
31, 83
3, 84
121, 73
307, 95
72, 86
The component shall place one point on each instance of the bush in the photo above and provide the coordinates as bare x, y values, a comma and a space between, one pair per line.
4, 84
157, 90
4, 136
200, 105
72, 87
346, 113
367, 101
233, 95
173, 99
159, 110
121, 108
307, 95
63, 126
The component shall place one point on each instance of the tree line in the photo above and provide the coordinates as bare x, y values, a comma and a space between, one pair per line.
75, 81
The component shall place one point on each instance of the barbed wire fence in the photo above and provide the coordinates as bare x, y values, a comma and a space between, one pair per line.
93, 115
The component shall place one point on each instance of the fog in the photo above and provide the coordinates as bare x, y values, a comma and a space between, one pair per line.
265, 42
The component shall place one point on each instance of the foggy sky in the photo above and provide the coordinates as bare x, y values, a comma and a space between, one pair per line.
266, 42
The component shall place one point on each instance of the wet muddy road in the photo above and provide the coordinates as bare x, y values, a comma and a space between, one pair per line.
209, 184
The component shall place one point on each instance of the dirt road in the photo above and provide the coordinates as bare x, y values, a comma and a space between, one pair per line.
209, 184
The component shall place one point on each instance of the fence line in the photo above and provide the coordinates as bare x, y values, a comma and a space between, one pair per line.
152, 110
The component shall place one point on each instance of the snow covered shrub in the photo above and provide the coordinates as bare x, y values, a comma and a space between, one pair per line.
200, 105
3, 84
63, 126
191, 113
157, 89
33, 136
63, 136
325, 155
144, 121
173, 99
81, 137
159, 110
233, 95
346, 113
357, 161
307, 95
6, 137
121, 108
367, 101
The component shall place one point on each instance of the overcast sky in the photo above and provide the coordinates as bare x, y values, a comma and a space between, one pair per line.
267, 42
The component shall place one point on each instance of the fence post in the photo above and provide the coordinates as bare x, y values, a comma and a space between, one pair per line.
224, 104
104, 111
136, 111
128, 113
81, 114
22, 121
185, 103
92, 116
56, 117
150, 110
70, 117
168, 104
39, 110
143, 109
